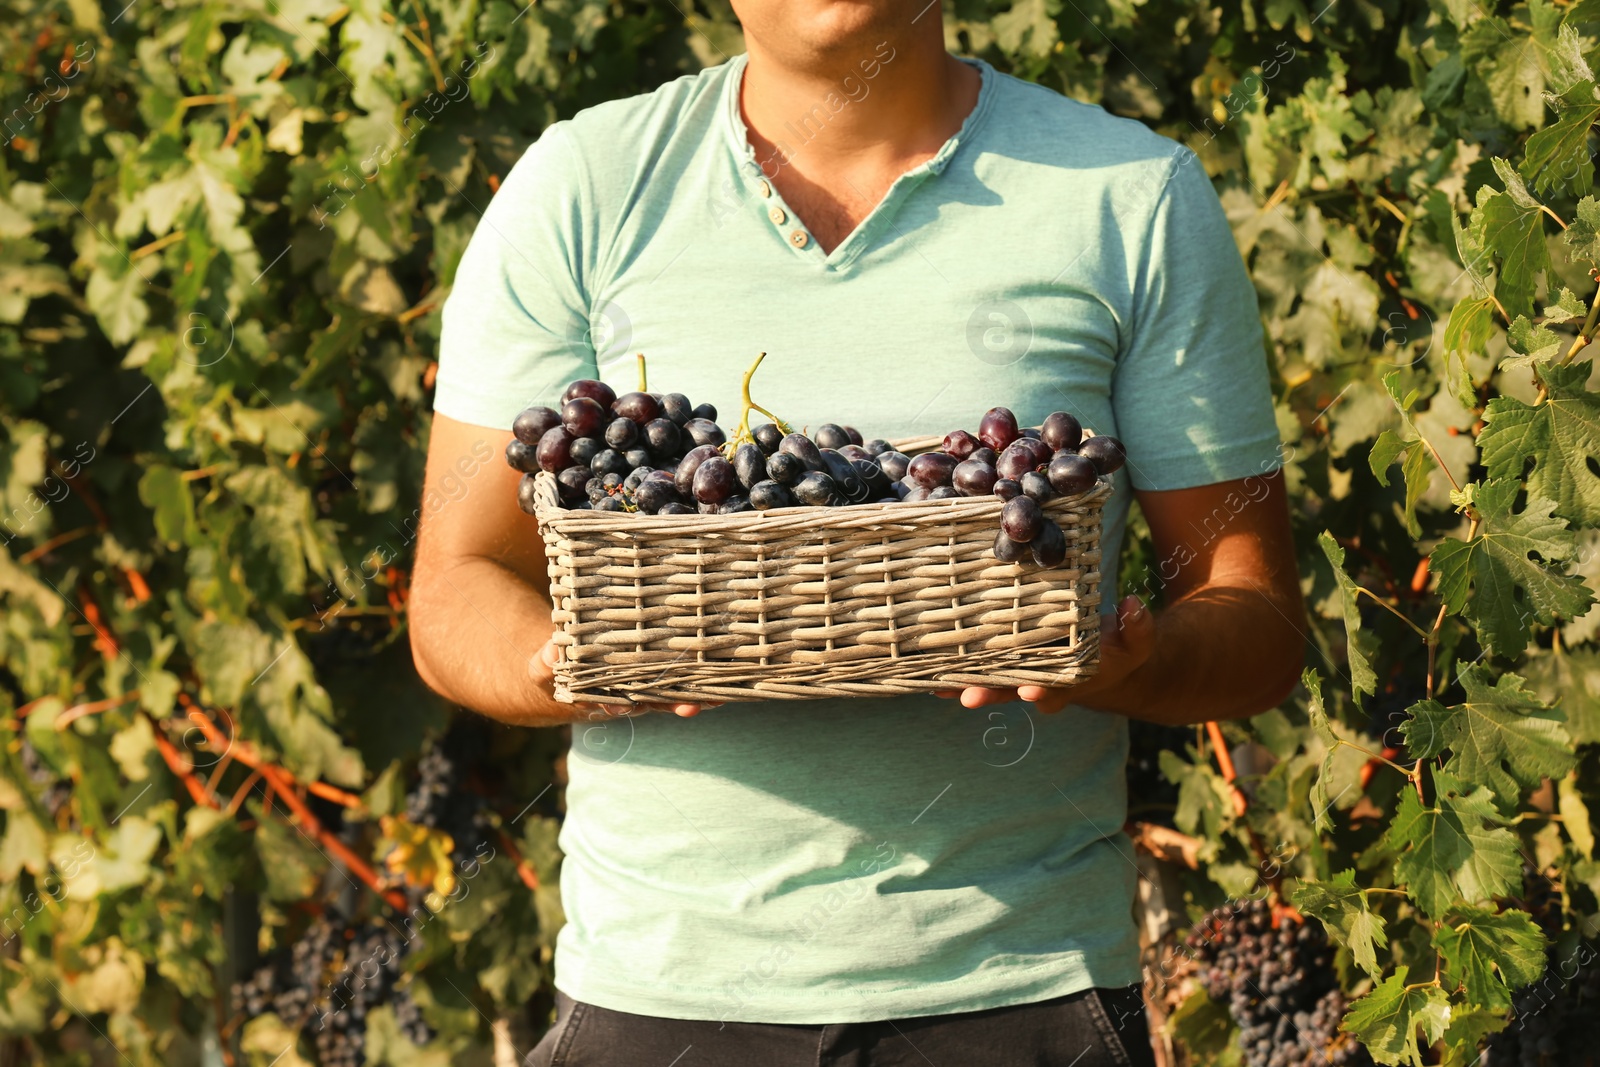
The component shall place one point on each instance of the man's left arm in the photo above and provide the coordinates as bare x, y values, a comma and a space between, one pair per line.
1230, 641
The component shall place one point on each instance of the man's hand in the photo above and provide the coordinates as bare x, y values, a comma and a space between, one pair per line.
1126, 641
1229, 642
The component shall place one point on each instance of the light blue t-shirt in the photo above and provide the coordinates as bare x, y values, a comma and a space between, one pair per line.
847, 860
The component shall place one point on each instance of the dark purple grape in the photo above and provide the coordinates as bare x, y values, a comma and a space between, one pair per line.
525, 497
683, 477
829, 435
583, 416
877, 481
640, 407
1015, 461
675, 508
1061, 430
855, 452
1049, 545
636, 476
878, 446
735, 504
533, 423
973, 478
1071, 473
784, 468
1038, 450
931, 469
594, 488
676, 407
1007, 488
1106, 453
894, 464
816, 488
651, 496
1021, 519
1036, 487
943, 492
610, 461
854, 435
767, 437
704, 431
611, 480
960, 444
705, 411
637, 457
521, 457
851, 485
555, 450
998, 428
608, 503
750, 464
985, 454
715, 481
571, 482
622, 434
766, 495
915, 495
1030, 433
662, 436
1007, 550
598, 391
802, 448
584, 449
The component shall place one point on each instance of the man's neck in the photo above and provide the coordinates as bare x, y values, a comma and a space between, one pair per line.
834, 132
877, 105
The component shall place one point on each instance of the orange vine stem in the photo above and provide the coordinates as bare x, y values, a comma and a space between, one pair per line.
175, 763
529, 876
78, 711
1225, 764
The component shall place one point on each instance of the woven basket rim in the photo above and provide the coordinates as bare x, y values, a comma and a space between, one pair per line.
551, 515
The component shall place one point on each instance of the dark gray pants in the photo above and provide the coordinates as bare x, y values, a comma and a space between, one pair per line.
1095, 1028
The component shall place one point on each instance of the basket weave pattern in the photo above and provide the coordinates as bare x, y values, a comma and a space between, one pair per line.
809, 602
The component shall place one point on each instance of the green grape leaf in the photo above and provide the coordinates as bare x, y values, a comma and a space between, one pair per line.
1418, 462
1502, 735
1536, 344
1511, 225
1556, 158
1388, 1018
1471, 323
1321, 805
1204, 805
1468, 1027
1503, 567
1561, 436
1362, 677
1583, 232
1389, 447
1568, 306
1571, 677
1490, 954
1343, 910
1454, 851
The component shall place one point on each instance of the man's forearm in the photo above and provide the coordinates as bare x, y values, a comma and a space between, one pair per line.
476, 638
1220, 653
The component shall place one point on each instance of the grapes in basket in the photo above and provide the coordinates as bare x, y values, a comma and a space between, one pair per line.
661, 454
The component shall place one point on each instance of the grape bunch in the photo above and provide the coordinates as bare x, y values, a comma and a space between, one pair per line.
54, 792
1279, 986
439, 802
658, 454
1553, 1020
328, 982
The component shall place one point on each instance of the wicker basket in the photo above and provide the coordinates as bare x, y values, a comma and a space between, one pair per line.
808, 602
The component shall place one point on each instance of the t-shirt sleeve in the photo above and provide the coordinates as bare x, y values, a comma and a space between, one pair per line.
1191, 393
516, 323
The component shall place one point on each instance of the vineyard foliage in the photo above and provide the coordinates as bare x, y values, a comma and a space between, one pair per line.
226, 229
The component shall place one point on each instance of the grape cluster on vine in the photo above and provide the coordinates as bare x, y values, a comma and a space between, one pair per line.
327, 983
1279, 986
1555, 1022
440, 802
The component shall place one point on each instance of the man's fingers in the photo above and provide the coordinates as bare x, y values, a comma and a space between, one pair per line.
977, 697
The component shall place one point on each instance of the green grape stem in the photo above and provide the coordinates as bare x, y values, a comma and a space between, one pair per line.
742, 435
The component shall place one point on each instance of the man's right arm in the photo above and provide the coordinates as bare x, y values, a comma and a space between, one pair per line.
479, 609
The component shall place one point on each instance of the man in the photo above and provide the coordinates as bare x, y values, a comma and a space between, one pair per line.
912, 238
